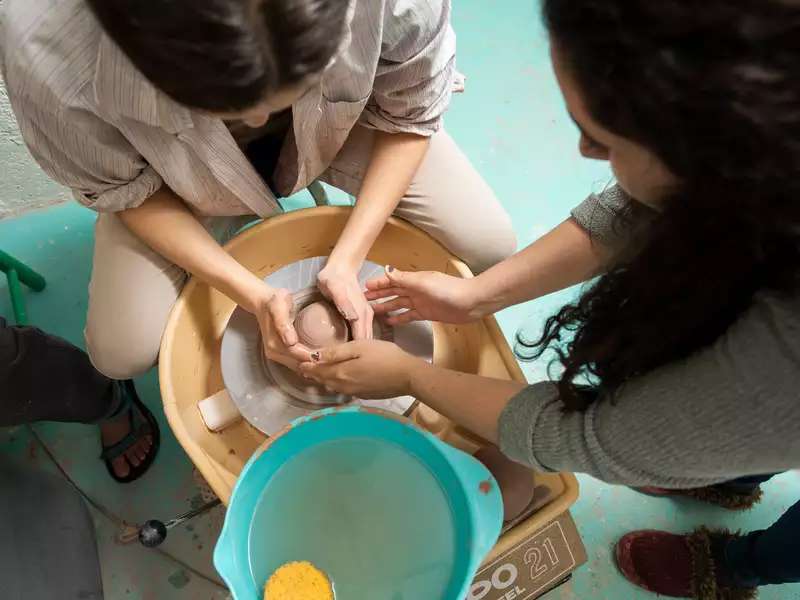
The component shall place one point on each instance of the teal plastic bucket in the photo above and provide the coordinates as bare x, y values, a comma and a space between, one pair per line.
470, 494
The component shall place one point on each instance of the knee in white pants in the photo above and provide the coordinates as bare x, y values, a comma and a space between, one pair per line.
117, 356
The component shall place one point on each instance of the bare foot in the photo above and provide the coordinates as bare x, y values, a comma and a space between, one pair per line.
112, 432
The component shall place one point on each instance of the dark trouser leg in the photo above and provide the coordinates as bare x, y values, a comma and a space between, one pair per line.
744, 485
767, 557
47, 546
45, 378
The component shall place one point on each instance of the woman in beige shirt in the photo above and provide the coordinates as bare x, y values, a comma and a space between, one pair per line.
132, 105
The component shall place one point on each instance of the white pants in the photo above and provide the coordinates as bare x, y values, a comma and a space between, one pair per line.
133, 289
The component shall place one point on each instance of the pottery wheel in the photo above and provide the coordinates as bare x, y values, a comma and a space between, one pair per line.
269, 395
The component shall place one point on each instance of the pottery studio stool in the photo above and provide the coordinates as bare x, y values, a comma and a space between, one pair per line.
189, 364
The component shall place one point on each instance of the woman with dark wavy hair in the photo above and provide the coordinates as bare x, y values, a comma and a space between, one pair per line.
681, 362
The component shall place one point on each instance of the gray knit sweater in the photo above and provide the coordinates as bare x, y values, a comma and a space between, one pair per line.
729, 410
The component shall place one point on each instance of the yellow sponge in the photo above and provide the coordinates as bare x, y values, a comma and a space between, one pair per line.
298, 581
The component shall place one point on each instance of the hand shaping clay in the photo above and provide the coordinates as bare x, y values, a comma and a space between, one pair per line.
515, 480
319, 325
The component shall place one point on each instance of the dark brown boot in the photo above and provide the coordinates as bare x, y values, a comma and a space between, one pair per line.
678, 566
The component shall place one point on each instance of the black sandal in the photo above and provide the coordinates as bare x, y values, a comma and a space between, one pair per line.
142, 423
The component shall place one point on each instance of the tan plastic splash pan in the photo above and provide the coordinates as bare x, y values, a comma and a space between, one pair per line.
189, 367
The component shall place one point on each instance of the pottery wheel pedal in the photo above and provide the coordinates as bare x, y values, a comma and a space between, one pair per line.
270, 396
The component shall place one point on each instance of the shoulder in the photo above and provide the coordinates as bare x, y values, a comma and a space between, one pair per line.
763, 346
48, 49
775, 317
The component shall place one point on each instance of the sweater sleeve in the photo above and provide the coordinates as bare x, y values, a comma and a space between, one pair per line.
600, 215
728, 411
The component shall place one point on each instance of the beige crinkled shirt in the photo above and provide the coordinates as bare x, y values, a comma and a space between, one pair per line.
97, 126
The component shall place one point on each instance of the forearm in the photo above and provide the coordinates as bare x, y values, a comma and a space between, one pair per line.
472, 401
563, 257
395, 160
167, 226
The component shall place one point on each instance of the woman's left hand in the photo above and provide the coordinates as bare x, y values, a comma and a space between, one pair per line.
341, 286
369, 369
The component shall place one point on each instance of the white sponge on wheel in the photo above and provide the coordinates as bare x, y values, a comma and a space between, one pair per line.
219, 411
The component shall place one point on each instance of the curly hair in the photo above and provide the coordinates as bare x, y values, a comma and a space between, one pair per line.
713, 89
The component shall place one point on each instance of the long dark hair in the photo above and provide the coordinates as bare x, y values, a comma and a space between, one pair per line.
713, 89
224, 55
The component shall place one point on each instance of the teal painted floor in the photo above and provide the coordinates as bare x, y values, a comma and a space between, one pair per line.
512, 124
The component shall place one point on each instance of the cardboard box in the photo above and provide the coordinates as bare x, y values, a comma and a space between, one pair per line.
534, 566
538, 551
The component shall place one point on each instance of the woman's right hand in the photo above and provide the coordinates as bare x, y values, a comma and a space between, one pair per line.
424, 296
276, 321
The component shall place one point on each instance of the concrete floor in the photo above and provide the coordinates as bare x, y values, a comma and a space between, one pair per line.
512, 124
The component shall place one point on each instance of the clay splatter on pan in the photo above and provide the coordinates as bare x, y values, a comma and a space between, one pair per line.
485, 487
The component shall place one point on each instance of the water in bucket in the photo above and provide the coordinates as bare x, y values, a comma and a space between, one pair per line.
366, 512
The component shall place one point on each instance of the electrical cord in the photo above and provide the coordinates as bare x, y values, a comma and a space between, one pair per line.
124, 527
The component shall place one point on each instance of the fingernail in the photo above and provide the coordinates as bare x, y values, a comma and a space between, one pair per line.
389, 269
315, 356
